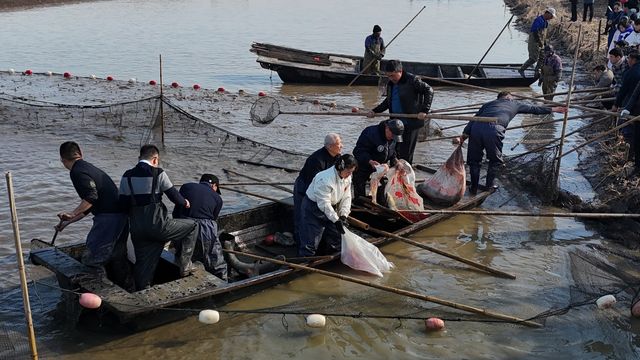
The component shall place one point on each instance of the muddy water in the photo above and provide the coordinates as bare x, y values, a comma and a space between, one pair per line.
83, 39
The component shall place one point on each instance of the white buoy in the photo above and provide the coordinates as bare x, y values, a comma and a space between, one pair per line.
209, 316
132, 81
12, 71
316, 321
606, 301
93, 76
50, 73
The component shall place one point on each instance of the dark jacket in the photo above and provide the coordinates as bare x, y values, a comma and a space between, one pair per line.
316, 162
95, 187
373, 145
505, 110
204, 202
142, 179
630, 79
415, 96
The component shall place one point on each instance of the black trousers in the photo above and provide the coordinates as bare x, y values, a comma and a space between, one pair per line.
584, 12
574, 10
408, 145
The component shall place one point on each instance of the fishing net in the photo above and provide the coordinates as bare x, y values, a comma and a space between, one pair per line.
534, 171
264, 111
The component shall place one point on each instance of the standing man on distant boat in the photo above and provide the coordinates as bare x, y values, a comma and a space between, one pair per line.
488, 136
107, 240
373, 52
320, 160
206, 203
536, 41
406, 94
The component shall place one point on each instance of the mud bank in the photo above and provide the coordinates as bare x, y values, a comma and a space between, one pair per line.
603, 163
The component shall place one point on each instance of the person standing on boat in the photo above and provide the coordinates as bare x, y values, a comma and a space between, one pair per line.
206, 202
373, 52
142, 186
321, 159
106, 241
376, 146
536, 41
406, 94
326, 207
488, 136
551, 72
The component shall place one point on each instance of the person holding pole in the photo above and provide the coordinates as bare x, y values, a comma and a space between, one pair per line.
488, 137
373, 52
106, 241
406, 94
537, 38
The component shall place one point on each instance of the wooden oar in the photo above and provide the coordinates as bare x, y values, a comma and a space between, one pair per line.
256, 179
257, 183
435, 250
394, 290
532, 214
55, 235
491, 46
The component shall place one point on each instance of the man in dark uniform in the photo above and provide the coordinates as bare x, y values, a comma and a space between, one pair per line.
488, 136
137, 190
406, 94
376, 145
204, 198
321, 159
106, 241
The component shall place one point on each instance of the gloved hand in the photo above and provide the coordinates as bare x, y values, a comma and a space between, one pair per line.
339, 226
343, 220
624, 113
540, 82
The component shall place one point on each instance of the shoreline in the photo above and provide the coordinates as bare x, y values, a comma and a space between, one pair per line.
14, 5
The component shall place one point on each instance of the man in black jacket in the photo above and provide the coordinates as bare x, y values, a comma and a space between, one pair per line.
321, 159
375, 146
406, 94
137, 189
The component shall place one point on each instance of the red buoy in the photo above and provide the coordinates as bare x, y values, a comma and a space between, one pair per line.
355, 109
221, 89
152, 82
261, 93
269, 239
28, 72
316, 102
175, 84
109, 78
67, 75
196, 86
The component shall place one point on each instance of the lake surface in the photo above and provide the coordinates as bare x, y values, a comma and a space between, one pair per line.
207, 42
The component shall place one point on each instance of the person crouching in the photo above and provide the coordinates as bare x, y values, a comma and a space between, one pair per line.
325, 208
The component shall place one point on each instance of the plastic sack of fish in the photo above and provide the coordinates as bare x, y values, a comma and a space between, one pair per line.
359, 254
400, 190
374, 180
447, 185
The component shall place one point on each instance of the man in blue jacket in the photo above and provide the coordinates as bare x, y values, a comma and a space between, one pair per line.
536, 41
406, 94
206, 202
375, 146
488, 136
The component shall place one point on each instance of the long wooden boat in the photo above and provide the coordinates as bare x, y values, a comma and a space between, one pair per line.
243, 231
306, 67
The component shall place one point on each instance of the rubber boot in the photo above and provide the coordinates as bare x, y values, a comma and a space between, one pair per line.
491, 176
474, 171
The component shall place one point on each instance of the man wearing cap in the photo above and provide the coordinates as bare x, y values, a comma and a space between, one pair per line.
373, 52
206, 203
551, 72
320, 160
406, 94
106, 241
537, 38
375, 146
488, 136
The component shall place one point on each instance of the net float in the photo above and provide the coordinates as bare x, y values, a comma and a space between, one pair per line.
606, 302
28, 72
175, 84
355, 109
152, 82
50, 73
635, 309
109, 78
269, 239
316, 321
132, 81
196, 86
434, 324
93, 76
221, 89
209, 317
66, 74
261, 93
90, 301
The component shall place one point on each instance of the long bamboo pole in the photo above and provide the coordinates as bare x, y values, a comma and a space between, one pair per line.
388, 44
161, 104
532, 214
491, 46
256, 179
21, 269
394, 115
441, 252
429, 298
624, 124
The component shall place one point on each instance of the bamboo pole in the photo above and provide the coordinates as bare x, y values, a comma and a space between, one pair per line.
257, 183
21, 269
599, 34
624, 124
388, 44
161, 103
532, 214
456, 108
587, 101
393, 115
256, 179
441, 252
429, 298
491, 46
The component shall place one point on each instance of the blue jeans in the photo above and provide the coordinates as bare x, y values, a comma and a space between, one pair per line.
317, 228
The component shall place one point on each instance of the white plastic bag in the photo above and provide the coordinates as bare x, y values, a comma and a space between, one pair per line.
357, 253
400, 190
374, 180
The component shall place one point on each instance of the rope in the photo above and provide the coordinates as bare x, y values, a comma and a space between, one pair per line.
25, 101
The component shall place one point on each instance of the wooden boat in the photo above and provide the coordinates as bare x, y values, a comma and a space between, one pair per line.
243, 231
305, 67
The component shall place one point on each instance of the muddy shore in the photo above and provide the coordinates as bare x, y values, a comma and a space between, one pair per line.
602, 163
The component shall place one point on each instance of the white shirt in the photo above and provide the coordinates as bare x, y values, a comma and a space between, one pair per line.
327, 189
633, 39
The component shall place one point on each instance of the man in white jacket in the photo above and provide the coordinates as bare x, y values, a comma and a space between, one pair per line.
325, 208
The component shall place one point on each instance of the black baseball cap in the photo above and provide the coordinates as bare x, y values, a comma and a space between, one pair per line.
211, 179
397, 129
